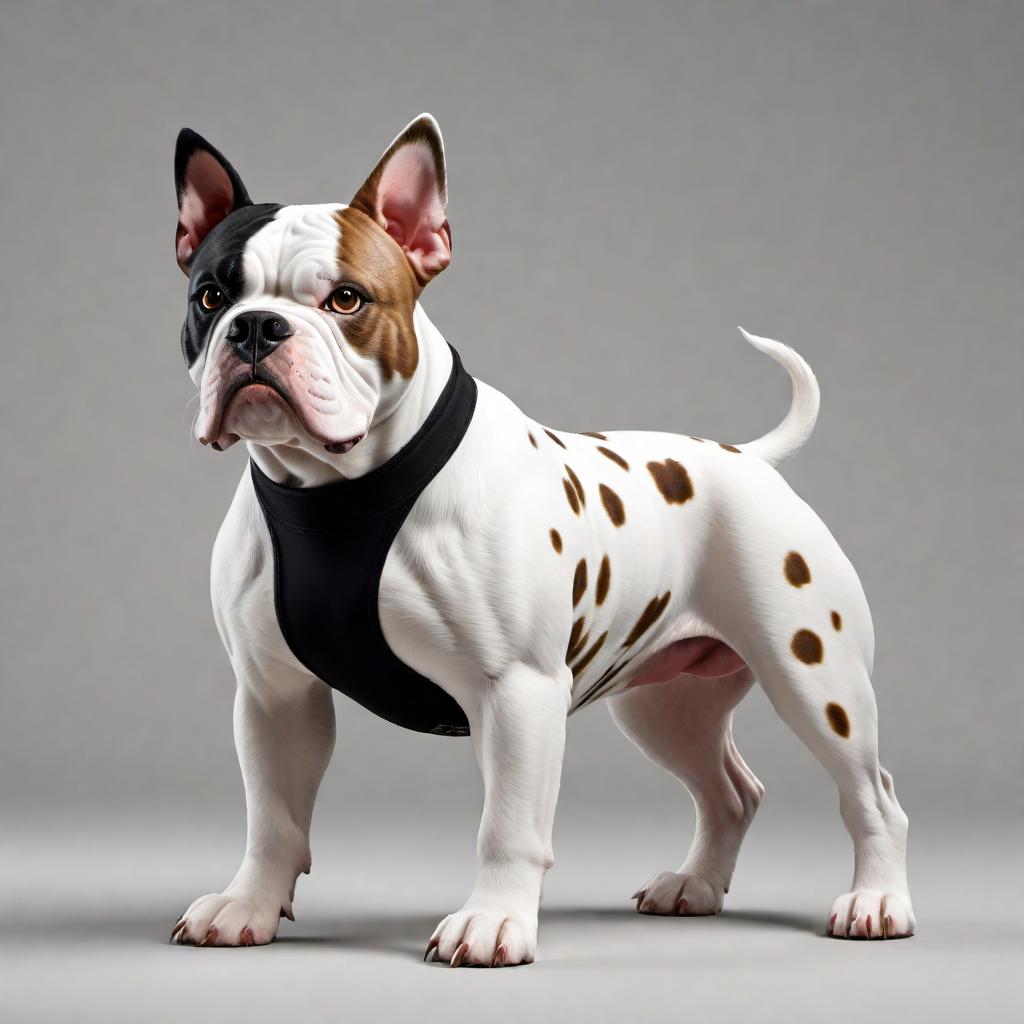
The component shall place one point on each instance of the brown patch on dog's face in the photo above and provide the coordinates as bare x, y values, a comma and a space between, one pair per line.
579, 581
587, 658
556, 541
604, 580
594, 433
648, 617
370, 259
612, 505
729, 447
796, 569
614, 456
555, 438
577, 486
533, 440
838, 719
673, 481
837, 621
571, 496
807, 646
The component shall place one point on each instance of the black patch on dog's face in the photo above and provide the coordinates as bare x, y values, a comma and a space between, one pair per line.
217, 263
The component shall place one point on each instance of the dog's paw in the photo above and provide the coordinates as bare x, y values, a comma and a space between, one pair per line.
678, 894
479, 937
219, 919
871, 914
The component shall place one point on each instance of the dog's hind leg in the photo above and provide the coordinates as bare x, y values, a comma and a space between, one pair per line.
830, 705
790, 604
685, 726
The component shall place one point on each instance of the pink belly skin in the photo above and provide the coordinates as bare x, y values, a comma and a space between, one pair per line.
696, 656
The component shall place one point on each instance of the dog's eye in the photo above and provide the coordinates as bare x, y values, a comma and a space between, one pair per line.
211, 298
345, 300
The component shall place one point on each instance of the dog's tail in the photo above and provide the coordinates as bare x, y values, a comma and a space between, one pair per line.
790, 435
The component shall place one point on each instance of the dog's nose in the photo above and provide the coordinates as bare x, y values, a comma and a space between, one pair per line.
253, 335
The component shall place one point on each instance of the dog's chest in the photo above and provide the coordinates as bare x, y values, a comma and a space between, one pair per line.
329, 548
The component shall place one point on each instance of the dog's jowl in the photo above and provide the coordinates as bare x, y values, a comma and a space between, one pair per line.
406, 535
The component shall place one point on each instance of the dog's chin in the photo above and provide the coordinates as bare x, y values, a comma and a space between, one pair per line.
259, 413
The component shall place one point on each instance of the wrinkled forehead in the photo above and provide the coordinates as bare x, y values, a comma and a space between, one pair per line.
297, 251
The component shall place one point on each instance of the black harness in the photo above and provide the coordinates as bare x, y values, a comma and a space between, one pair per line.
330, 544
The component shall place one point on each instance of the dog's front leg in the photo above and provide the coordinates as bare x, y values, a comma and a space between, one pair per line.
518, 730
284, 735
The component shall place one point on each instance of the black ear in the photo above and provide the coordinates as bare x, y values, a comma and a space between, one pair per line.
208, 190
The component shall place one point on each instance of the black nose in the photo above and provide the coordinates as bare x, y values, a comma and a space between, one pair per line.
253, 335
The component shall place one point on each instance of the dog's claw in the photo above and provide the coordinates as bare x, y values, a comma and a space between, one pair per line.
831, 923
431, 946
177, 928
246, 937
684, 906
460, 954
211, 937
500, 955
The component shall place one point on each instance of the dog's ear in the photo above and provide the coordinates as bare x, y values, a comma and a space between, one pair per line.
208, 190
407, 195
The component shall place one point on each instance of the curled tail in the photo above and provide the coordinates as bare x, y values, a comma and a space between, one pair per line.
790, 435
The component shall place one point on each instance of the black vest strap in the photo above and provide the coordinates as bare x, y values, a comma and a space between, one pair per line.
330, 544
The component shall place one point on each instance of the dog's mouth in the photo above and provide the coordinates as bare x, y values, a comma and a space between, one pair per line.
255, 406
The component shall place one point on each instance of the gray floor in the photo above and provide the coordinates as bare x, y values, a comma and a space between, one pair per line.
87, 908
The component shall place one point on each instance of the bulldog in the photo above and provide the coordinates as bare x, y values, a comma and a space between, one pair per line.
405, 534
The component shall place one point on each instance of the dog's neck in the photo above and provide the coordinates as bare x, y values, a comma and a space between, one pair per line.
394, 423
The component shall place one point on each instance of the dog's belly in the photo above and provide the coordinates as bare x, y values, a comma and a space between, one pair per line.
701, 656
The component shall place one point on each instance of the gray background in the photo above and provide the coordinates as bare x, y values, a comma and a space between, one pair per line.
626, 184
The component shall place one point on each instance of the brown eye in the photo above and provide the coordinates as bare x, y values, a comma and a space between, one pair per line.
211, 298
345, 300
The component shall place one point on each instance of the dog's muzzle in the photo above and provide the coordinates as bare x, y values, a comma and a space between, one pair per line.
253, 335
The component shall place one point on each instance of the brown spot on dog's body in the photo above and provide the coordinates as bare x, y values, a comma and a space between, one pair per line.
382, 330
604, 580
612, 505
576, 639
556, 541
837, 621
555, 438
699, 440
580, 667
673, 481
594, 433
729, 447
648, 617
807, 646
614, 456
571, 496
579, 581
533, 440
577, 647
838, 719
603, 683
797, 571
577, 486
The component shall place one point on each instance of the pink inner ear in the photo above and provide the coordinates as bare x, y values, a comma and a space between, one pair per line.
207, 200
411, 209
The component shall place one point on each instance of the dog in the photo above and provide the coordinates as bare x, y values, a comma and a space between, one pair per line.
405, 534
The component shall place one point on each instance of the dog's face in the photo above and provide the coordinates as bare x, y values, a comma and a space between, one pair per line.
299, 327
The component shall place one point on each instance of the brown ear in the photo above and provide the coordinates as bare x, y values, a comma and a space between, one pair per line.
208, 190
406, 194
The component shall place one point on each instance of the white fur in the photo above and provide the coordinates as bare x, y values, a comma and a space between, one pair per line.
474, 597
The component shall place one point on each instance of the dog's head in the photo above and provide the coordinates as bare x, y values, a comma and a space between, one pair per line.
299, 326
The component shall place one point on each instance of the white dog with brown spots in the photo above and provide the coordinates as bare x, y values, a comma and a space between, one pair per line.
409, 536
